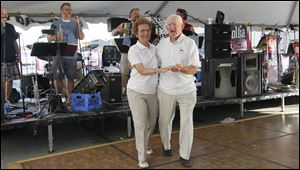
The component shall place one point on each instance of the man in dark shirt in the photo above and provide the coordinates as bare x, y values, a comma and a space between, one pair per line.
10, 55
188, 28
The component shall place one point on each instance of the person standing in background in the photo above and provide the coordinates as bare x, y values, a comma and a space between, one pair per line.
68, 31
134, 14
10, 54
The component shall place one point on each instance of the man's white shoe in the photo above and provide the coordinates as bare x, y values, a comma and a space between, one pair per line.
143, 165
149, 151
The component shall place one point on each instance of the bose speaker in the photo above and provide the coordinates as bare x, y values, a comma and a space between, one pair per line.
249, 74
91, 83
220, 78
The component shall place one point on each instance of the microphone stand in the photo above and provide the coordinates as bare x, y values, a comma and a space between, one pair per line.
155, 21
3, 34
79, 43
197, 19
22, 87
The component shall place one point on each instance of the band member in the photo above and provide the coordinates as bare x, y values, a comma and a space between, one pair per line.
68, 31
141, 88
120, 30
177, 86
10, 54
187, 27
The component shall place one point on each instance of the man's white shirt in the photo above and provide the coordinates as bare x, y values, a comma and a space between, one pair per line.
183, 51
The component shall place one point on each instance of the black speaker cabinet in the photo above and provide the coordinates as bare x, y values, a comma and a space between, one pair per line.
112, 90
249, 74
92, 82
43, 84
2, 98
218, 32
219, 78
217, 49
110, 55
112, 23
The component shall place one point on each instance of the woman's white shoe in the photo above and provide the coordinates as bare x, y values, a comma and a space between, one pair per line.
149, 151
143, 165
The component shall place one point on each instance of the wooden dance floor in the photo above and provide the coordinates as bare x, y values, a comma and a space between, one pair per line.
270, 141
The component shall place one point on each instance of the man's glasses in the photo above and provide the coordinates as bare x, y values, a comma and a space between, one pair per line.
67, 9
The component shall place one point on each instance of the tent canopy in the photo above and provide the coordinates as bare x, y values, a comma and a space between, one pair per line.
269, 13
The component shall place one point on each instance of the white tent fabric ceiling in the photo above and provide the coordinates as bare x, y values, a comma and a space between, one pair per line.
276, 13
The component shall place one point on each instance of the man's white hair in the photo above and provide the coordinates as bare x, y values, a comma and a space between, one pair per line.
175, 17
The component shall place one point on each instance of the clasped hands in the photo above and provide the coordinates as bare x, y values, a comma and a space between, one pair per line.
174, 68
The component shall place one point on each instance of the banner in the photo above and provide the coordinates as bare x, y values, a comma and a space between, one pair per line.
296, 50
272, 59
239, 39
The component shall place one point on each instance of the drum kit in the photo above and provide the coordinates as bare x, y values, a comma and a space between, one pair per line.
47, 69
79, 56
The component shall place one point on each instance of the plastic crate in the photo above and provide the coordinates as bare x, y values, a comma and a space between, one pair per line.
86, 102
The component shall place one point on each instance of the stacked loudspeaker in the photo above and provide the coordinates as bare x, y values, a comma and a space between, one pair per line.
249, 74
217, 41
219, 68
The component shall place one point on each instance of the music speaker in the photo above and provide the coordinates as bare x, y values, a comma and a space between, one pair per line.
218, 41
217, 49
218, 32
112, 90
2, 98
249, 75
219, 78
112, 23
110, 55
91, 83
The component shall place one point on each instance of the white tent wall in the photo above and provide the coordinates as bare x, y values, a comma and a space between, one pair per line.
257, 14
276, 13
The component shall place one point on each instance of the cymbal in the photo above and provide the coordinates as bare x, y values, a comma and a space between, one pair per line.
29, 46
45, 58
90, 47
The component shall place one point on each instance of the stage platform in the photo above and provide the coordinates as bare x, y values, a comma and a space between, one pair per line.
270, 141
123, 110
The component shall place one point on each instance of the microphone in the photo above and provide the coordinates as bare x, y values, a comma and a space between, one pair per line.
18, 34
148, 12
4, 22
75, 20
